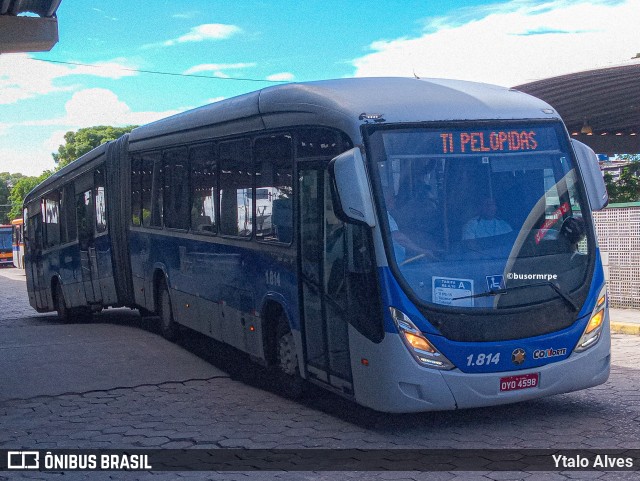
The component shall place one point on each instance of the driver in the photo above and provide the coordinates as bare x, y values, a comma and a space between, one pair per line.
486, 224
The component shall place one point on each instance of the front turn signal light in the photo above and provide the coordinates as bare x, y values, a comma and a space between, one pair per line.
593, 330
418, 345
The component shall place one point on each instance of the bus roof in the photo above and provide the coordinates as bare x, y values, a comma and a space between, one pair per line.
340, 103
74, 168
335, 103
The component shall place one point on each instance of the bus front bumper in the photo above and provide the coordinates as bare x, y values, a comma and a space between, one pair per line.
407, 387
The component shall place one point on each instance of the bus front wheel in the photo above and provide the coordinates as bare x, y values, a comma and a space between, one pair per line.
168, 326
289, 381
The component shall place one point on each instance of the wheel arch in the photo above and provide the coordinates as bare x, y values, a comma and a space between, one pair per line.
159, 278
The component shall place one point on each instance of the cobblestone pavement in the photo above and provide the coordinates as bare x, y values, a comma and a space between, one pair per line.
240, 411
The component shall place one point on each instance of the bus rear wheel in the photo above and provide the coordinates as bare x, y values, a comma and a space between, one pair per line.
64, 313
168, 327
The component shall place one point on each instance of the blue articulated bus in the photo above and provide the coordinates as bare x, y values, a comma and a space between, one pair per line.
410, 244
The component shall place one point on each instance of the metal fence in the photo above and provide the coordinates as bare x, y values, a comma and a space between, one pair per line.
618, 228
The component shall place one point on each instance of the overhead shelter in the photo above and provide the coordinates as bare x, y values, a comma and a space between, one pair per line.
28, 25
600, 107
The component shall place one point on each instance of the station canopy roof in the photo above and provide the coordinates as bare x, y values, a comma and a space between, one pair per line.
28, 25
600, 107
42, 8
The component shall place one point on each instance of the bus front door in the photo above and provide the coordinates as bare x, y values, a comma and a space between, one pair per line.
323, 283
85, 215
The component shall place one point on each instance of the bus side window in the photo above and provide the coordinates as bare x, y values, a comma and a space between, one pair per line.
204, 180
274, 188
69, 230
176, 188
156, 194
320, 142
100, 201
146, 164
34, 228
236, 183
51, 218
84, 211
136, 190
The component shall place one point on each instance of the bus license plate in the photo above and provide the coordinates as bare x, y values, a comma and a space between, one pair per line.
523, 381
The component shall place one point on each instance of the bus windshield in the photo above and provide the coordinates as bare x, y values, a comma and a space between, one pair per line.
485, 216
5, 238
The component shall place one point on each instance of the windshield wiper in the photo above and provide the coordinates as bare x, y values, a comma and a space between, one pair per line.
565, 296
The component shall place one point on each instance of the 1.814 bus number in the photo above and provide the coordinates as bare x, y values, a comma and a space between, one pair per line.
483, 359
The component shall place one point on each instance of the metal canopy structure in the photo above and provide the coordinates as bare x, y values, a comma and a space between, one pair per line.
600, 107
20, 32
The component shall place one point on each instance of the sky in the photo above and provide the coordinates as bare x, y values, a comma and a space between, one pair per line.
100, 72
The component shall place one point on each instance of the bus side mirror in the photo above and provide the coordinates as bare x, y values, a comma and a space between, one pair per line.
593, 180
351, 185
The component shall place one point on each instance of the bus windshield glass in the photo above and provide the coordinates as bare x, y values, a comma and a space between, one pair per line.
485, 216
5, 238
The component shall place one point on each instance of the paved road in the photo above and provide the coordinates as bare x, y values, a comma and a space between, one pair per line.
123, 386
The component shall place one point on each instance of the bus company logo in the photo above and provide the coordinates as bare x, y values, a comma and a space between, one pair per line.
518, 356
546, 353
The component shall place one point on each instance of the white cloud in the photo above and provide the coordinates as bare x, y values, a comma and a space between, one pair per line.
283, 76
86, 108
185, 15
512, 43
98, 106
215, 99
217, 67
28, 161
112, 69
207, 31
22, 77
55, 140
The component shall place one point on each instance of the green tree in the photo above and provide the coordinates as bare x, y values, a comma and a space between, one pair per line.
7, 181
20, 190
627, 187
82, 141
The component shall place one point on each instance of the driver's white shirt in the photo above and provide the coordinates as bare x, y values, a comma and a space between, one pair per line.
478, 227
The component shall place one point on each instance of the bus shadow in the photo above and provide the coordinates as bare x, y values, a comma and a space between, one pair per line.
555, 410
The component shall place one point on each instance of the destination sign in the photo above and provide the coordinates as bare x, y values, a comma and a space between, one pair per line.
495, 141
472, 140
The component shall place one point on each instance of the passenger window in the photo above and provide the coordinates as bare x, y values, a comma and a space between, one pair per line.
236, 182
176, 189
68, 214
156, 194
51, 219
274, 188
64, 233
148, 188
136, 190
320, 142
100, 201
151, 189
203, 189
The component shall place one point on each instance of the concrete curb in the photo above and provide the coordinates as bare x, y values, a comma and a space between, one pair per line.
625, 328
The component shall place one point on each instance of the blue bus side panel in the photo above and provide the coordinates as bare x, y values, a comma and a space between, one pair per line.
217, 289
105, 279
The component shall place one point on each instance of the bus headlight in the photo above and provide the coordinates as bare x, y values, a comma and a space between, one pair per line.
418, 345
593, 330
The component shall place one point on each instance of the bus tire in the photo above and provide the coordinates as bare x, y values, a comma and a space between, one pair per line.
64, 313
289, 381
168, 326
